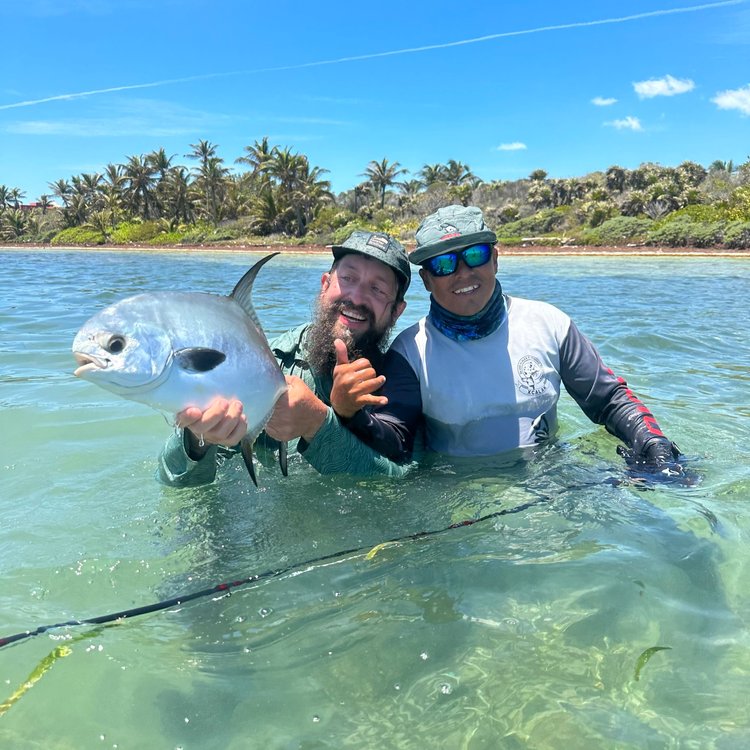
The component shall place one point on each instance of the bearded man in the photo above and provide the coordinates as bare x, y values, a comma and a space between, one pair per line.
360, 300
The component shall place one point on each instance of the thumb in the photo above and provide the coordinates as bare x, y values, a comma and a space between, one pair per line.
342, 355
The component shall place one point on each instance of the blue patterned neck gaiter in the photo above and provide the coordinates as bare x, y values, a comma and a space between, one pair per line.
470, 327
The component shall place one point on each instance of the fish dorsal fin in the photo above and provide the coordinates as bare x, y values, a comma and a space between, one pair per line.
243, 291
199, 359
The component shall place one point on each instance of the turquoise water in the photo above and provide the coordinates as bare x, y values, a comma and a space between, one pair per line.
524, 631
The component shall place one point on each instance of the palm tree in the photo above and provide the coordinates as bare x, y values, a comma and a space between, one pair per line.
138, 178
432, 173
382, 175
410, 189
310, 193
178, 205
615, 179
361, 191
258, 155
44, 203
4, 197
457, 174
16, 195
211, 179
64, 192
202, 151
721, 166
13, 224
160, 162
299, 189
284, 167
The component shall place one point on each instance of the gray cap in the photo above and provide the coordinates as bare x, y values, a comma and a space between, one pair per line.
451, 228
380, 246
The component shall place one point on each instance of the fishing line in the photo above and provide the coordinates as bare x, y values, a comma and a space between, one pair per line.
222, 589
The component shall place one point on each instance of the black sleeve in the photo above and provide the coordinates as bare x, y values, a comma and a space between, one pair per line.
606, 398
391, 429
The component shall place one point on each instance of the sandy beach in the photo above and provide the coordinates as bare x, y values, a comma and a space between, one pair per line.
520, 250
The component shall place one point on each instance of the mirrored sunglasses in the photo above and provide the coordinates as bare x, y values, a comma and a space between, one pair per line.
447, 263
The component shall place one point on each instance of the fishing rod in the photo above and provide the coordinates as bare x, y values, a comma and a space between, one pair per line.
226, 587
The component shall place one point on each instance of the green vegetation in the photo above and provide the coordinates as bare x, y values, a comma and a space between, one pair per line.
275, 195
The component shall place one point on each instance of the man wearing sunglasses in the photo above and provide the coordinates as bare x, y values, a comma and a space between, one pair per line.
482, 372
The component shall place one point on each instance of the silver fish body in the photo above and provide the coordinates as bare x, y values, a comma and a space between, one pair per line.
171, 350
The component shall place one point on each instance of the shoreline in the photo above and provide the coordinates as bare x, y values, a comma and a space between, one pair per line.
520, 250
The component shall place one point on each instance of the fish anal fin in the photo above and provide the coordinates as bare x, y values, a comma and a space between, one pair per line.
246, 448
283, 458
199, 359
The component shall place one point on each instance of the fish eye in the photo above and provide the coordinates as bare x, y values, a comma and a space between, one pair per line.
115, 344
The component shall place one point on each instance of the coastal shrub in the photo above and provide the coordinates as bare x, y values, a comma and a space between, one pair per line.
708, 234
619, 230
684, 232
197, 234
701, 212
509, 212
510, 241
167, 239
135, 231
75, 236
330, 218
595, 213
542, 222
343, 232
739, 204
737, 234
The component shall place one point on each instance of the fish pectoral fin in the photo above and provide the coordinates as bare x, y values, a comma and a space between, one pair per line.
246, 448
283, 458
199, 359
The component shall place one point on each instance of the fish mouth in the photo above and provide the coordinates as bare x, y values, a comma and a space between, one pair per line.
88, 363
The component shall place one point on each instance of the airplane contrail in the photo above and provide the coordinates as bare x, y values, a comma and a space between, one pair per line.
374, 55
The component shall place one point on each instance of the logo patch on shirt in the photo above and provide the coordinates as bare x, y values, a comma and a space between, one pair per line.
531, 380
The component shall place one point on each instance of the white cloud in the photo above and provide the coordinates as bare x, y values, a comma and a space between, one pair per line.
667, 86
515, 146
601, 101
627, 123
734, 99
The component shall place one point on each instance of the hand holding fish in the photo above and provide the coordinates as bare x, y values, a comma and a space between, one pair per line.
354, 384
177, 351
222, 423
298, 412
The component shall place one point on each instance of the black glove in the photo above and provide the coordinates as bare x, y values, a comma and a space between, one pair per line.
658, 460
659, 452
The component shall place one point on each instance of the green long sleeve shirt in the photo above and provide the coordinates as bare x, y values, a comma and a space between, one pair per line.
333, 450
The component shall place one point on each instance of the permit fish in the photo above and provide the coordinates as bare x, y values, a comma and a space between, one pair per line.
171, 350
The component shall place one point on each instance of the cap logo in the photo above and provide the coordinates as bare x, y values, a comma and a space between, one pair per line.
449, 231
379, 241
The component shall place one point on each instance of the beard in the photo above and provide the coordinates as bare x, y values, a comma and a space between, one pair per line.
324, 330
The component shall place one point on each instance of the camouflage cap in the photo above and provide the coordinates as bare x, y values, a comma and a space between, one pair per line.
450, 228
380, 246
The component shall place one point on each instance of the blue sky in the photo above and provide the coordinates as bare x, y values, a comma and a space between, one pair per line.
505, 87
